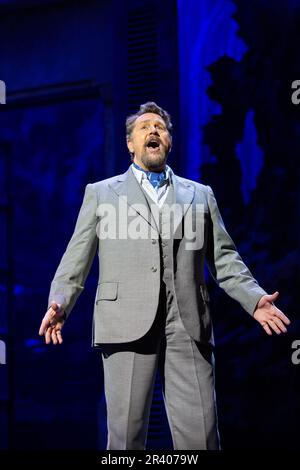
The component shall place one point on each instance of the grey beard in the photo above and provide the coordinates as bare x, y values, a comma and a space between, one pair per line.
154, 165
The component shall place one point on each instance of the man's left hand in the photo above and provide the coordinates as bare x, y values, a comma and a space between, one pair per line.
269, 316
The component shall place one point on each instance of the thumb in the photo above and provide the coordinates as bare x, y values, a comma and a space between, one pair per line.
267, 298
55, 306
272, 297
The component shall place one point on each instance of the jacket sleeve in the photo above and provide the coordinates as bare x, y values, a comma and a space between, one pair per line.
225, 263
70, 276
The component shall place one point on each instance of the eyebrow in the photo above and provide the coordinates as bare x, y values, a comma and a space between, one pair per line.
149, 120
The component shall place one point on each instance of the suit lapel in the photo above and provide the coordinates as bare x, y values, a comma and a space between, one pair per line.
184, 195
128, 189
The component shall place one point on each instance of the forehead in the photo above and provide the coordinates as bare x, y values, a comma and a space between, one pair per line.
150, 117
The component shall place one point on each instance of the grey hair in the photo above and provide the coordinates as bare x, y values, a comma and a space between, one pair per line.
149, 107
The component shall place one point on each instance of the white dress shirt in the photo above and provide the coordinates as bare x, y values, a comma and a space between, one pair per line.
159, 195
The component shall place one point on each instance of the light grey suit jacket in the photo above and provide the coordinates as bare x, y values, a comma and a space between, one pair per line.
129, 269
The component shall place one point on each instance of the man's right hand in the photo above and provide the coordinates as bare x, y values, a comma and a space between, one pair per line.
52, 324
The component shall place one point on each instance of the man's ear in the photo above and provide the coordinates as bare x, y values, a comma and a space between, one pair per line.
129, 145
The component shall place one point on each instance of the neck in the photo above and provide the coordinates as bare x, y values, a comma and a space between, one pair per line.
156, 170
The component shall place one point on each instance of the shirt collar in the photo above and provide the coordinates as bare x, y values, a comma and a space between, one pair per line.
141, 175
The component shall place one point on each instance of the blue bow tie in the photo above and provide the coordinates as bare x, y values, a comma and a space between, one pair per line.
156, 179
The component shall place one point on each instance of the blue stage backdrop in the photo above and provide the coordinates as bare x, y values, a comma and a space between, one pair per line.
73, 71
240, 134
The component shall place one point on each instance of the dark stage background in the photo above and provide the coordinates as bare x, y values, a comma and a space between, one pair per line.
73, 71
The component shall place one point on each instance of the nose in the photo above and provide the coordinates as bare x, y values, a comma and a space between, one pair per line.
153, 130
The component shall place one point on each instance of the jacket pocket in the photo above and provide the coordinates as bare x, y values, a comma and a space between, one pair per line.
107, 291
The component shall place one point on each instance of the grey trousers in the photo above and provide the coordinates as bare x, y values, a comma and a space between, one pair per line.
187, 376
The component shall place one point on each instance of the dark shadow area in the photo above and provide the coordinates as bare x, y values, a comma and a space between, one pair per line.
257, 384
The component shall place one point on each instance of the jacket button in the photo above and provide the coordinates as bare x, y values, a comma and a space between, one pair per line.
153, 269
153, 242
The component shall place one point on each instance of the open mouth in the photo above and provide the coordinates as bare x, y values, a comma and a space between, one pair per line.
153, 144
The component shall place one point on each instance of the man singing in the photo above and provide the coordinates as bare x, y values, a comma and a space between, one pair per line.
154, 230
